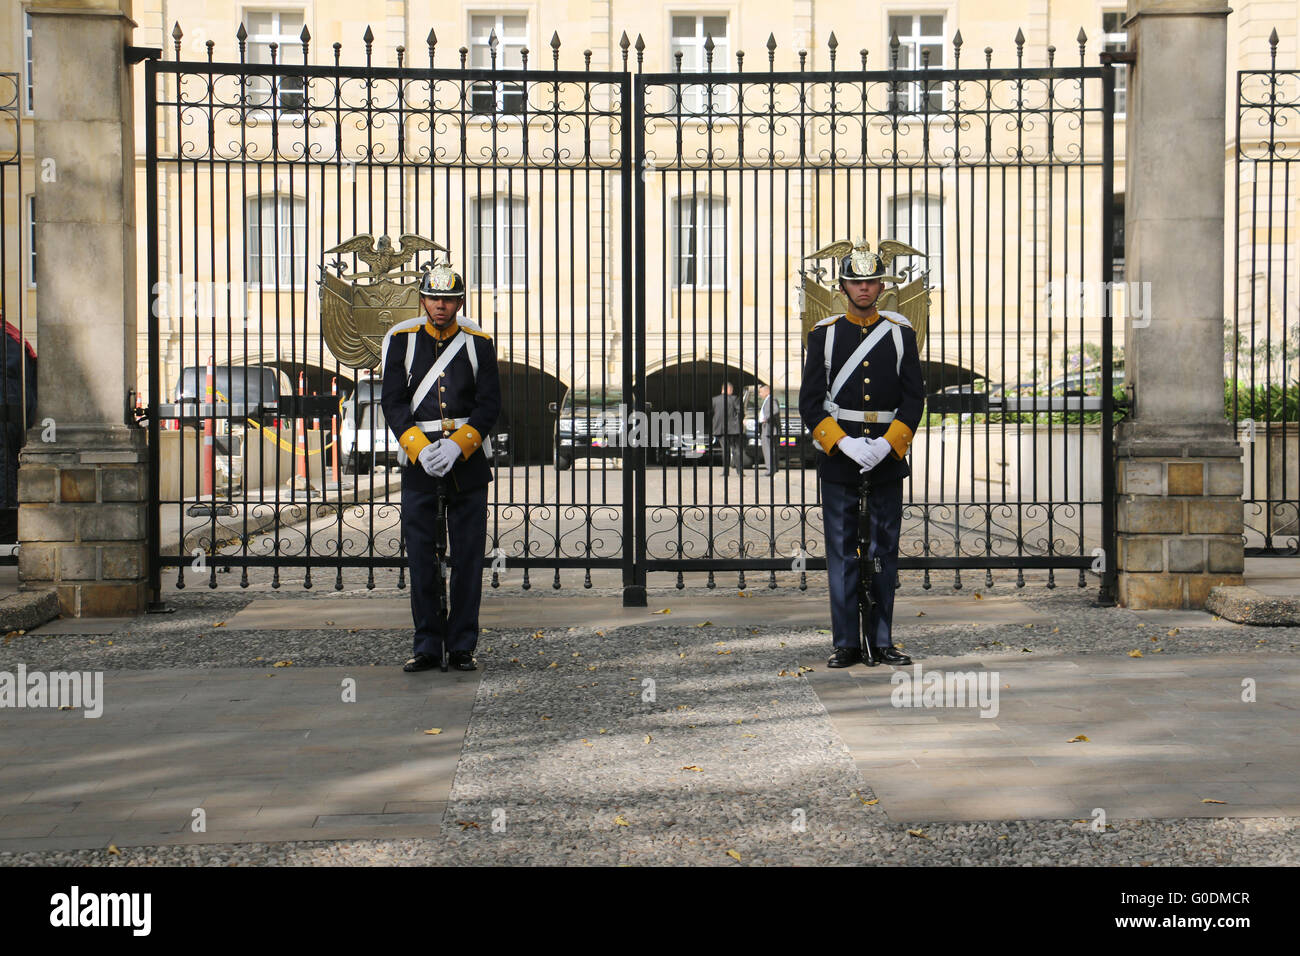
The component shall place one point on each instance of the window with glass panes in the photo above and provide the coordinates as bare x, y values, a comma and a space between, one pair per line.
918, 221
689, 34
920, 45
1115, 40
277, 241
699, 231
499, 237
27, 57
283, 28
31, 241
511, 31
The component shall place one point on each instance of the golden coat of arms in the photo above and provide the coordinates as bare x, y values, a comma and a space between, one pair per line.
355, 315
911, 299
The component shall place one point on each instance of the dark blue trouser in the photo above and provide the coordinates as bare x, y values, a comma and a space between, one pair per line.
466, 537
840, 522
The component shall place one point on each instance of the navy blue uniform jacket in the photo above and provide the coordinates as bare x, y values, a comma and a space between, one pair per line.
878, 384
456, 395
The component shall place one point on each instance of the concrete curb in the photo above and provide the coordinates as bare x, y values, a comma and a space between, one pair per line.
28, 609
1245, 605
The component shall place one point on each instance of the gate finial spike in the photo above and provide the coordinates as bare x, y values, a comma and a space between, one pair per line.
639, 46
1020, 37
368, 36
177, 33
555, 40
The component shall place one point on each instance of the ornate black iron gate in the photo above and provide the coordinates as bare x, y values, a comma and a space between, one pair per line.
635, 242
1262, 339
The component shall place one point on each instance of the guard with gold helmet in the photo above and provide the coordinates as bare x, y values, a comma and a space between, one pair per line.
861, 398
441, 398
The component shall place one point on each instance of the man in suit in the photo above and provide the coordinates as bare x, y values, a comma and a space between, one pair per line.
861, 397
728, 429
441, 396
769, 426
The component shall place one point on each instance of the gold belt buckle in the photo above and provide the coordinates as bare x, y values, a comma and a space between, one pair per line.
869, 416
449, 424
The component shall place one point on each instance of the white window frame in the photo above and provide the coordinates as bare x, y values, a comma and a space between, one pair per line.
504, 91
504, 244
259, 95
29, 100
910, 93
695, 96
917, 204
31, 240
1117, 42
258, 229
717, 228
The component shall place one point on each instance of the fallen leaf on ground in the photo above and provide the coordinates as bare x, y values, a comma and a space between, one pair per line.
553, 664
872, 802
749, 735
1214, 801
587, 742
1172, 631
705, 624
978, 596
466, 824
114, 850
666, 610
734, 855
619, 821
1135, 653
1081, 739
223, 624
283, 664
920, 614
434, 730
603, 730
695, 768
918, 833
648, 738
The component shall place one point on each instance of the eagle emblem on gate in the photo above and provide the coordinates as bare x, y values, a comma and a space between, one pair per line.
356, 311
911, 298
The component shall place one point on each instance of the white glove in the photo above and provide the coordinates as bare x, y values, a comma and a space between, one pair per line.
877, 449
444, 456
855, 448
428, 455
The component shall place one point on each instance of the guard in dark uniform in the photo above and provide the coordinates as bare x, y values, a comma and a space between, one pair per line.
441, 397
863, 407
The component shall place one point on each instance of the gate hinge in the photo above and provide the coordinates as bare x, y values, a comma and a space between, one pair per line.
1118, 56
137, 54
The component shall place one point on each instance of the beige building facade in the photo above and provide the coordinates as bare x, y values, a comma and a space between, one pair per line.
726, 235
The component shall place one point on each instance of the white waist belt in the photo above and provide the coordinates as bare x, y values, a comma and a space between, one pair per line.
848, 415
440, 424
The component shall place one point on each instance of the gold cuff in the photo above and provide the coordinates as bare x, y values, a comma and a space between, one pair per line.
827, 433
468, 438
899, 437
413, 441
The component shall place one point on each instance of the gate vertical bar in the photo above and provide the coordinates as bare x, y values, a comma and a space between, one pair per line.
633, 189
153, 529
1107, 594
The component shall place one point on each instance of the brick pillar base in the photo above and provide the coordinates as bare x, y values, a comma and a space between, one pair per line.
1179, 521
81, 519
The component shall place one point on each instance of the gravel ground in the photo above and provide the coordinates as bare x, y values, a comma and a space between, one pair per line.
726, 763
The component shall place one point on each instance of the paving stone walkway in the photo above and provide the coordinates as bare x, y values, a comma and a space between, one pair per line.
710, 734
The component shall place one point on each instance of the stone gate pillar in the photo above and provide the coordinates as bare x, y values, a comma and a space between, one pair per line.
1179, 479
81, 481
